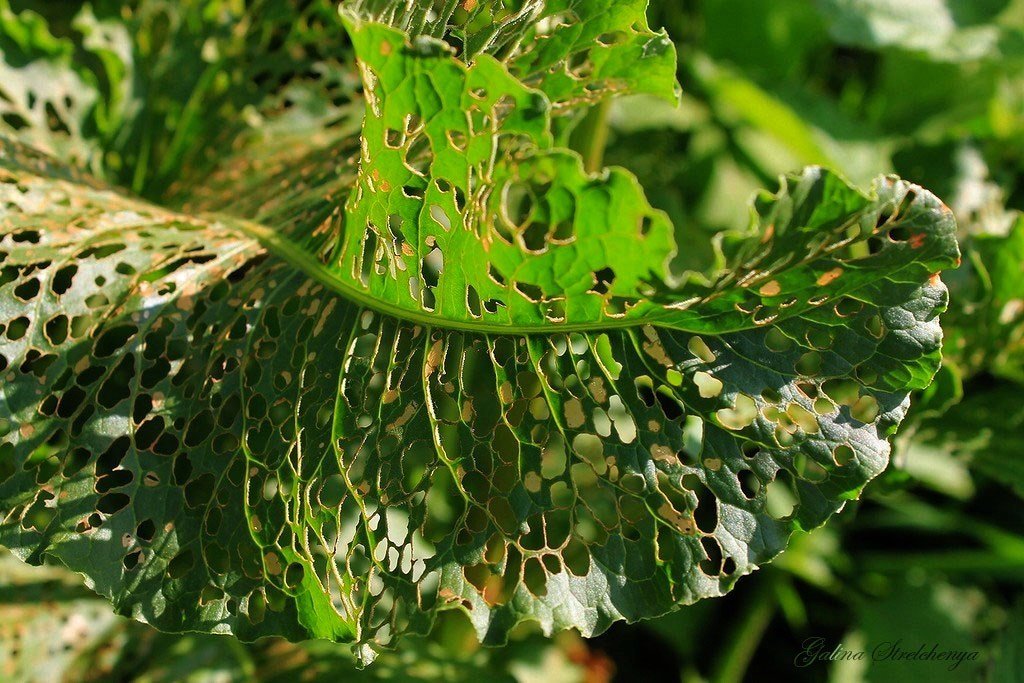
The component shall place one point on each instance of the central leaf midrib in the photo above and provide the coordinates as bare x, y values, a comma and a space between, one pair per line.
299, 258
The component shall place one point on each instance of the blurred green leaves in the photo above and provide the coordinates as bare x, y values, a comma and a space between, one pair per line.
944, 30
932, 90
912, 618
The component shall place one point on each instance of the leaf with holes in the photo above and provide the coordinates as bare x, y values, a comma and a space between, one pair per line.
363, 379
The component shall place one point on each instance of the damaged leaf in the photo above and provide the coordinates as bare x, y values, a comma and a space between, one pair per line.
363, 379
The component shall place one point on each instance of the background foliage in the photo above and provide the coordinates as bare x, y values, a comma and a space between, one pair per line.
932, 90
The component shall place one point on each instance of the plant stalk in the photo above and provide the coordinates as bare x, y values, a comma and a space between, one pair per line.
590, 138
744, 639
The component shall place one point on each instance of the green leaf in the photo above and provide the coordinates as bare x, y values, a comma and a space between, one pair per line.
44, 98
986, 332
140, 93
986, 430
431, 187
544, 243
576, 51
582, 51
55, 629
215, 439
783, 127
1009, 656
941, 621
946, 30
441, 367
775, 41
753, 105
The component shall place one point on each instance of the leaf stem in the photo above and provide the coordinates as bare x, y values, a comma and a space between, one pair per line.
590, 138
747, 634
311, 267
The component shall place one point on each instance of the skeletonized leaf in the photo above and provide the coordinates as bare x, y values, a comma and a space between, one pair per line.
576, 51
55, 629
439, 367
216, 439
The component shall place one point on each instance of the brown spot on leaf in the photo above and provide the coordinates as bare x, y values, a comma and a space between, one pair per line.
829, 277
